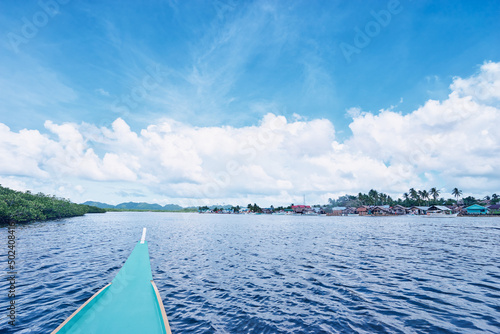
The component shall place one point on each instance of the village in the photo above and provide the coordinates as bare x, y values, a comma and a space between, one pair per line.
364, 210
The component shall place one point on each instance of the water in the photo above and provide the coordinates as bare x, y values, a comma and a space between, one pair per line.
270, 274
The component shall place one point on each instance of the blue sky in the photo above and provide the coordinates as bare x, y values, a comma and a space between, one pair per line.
219, 65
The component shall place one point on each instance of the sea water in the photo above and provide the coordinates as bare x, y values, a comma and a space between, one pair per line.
269, 274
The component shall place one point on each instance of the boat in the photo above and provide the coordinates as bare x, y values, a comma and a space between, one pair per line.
131, 303
440, 211
310, 213
440, 215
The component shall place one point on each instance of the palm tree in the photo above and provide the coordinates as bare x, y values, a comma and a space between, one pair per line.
457, 193
374, 195
435, 194
406, 197
414, 194
420, 196
386, 199
382, 198
494, 198
362, 198
425, 195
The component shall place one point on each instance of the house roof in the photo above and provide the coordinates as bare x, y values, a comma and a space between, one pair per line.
338, 208
475, 206
440, 207
494, 207
381, 207
425, 208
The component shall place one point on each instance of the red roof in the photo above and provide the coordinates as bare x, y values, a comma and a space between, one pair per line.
301, 206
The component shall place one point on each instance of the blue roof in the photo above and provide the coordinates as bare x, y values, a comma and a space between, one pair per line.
475, 207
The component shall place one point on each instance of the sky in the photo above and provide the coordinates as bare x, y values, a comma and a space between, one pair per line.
237, 102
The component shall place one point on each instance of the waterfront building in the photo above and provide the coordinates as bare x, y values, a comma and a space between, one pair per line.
399, 210
338, 210
419, 210
476, 209
440, 209
494, 208
362, 210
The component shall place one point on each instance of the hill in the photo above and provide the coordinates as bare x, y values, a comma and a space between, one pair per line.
139, 206
99, 205
136, 206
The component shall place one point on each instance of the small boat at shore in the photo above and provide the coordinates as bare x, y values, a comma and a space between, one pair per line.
440, 215
440, 211
131, 303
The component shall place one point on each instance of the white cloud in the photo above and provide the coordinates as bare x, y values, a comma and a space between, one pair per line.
102, 92
485, 86
354, 112
453, 138
21, 153
13, 183
447, 143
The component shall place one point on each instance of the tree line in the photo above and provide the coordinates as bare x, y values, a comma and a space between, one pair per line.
410, 198
17, 207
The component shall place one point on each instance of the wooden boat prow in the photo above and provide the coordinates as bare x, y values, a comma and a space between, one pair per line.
131, 303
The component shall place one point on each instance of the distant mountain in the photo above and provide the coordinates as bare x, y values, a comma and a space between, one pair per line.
99, 205
139, 206
136, 206
172, 207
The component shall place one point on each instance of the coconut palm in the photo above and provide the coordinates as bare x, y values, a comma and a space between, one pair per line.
420, 196
406, 197
414, 194
425, 195
384, 198
494, 198
456, 192
434, 193
374, 195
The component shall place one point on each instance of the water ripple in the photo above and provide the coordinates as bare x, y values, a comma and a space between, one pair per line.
271, 274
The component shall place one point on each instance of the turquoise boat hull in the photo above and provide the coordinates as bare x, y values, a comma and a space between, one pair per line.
129, 304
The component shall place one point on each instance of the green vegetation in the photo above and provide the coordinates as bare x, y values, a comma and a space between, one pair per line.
254, 208
16, 206
410, 198
457, 193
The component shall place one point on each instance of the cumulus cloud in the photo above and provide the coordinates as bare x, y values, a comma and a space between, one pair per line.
446, 143
454, 138
22, 152
484, 86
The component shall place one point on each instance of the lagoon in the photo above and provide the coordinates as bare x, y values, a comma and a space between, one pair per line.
270, 274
